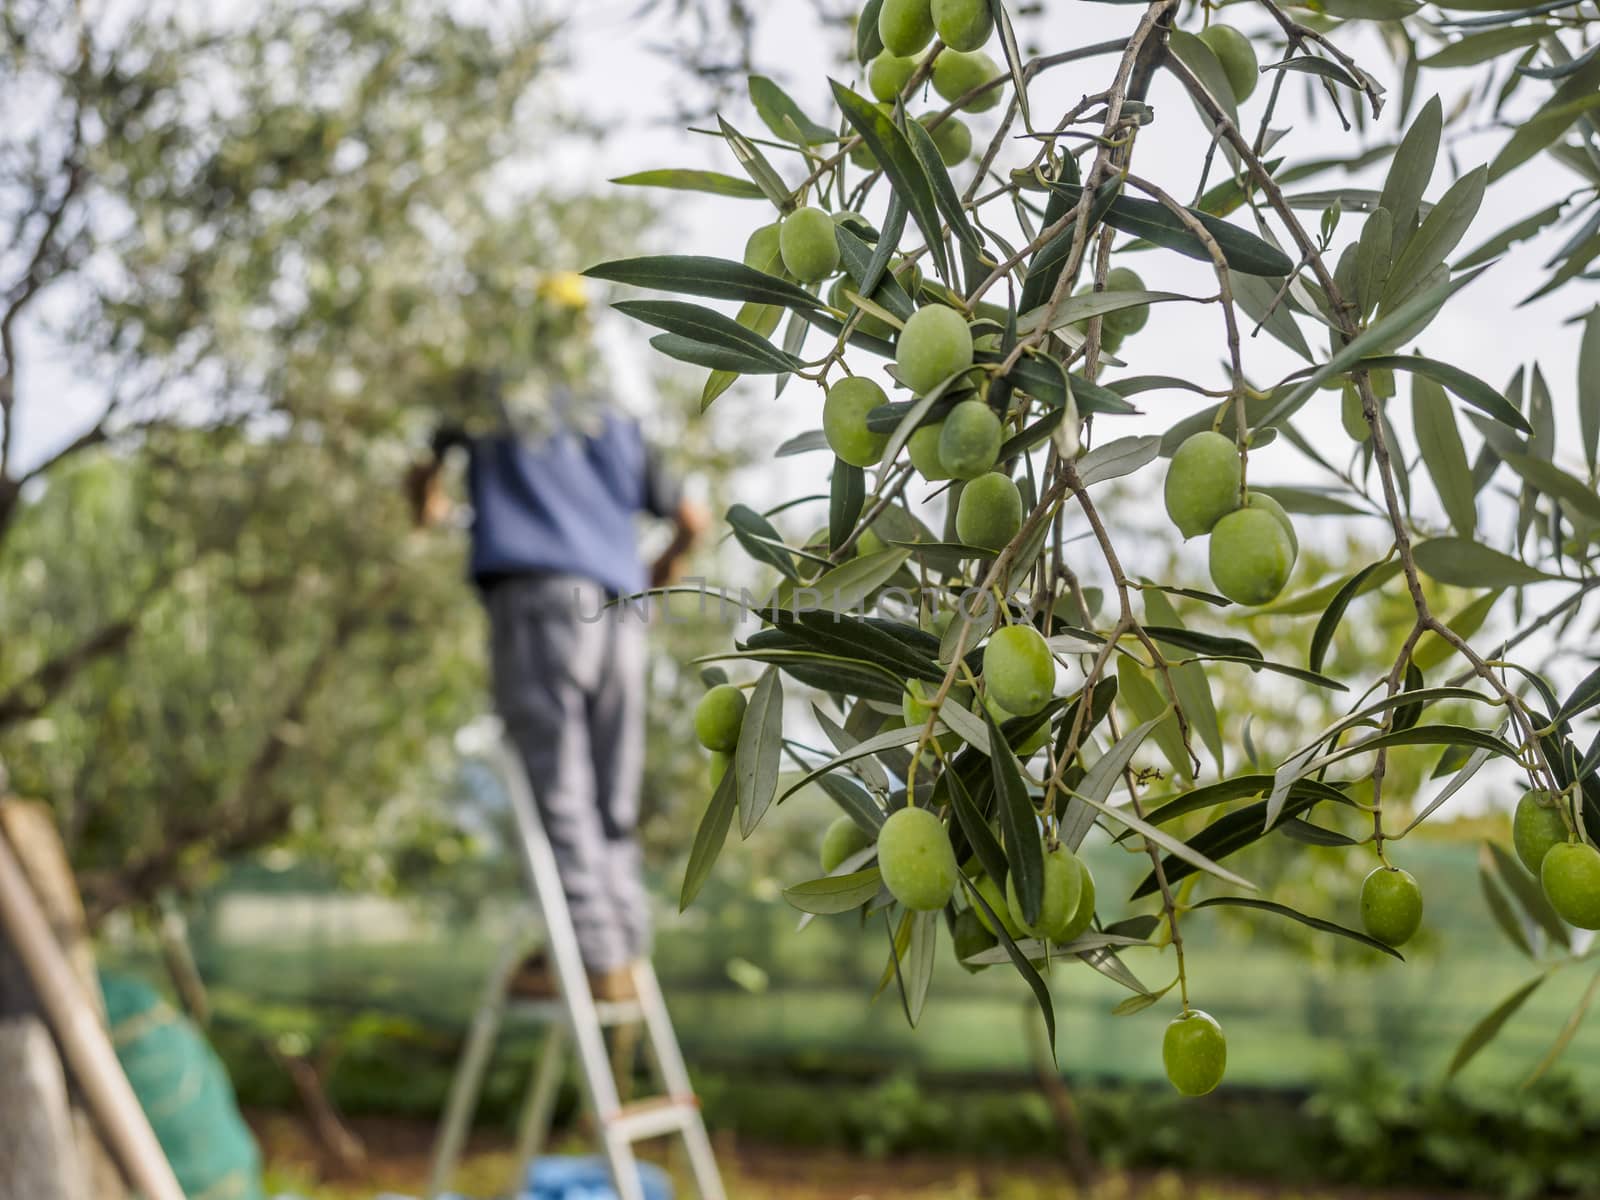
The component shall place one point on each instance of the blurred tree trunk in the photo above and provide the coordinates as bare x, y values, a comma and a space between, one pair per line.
1075, 1148
48, 1145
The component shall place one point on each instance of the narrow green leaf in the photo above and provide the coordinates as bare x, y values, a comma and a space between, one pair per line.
1328, 623
714, 278
944, 191
755, 763
1480, 47
1481, 1034
1443, 454
1584, 697
888, 739
1019, 80
1283, 910
848, 497
1225, 792
1466, 563
708, 840
1317, 599
1076, 309
1370, 10
1204, 65
783, 116
915, 971
1519, 231
1243, 251
1149, 700
1423, 735
1433, 242
1525, 889
1373, 260
1226, 835
1411, 169
1018, 960
1230, 648
1550, 480
1258, 296
717, 358
1278, 668
1516, 931
1188, 680
1405, 321
1019, 823
713, 182
835, 893
1323, 67
868, 44
902, 166
1186, 853
845, 587
1097, 784
976, 830
708, 327
1549, 123
1463, 774
757, 167
1589, 386
1311, 502
1117, 458
1469, 387
1568, 1032
760, 540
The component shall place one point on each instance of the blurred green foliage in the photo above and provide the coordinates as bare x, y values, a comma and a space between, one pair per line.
282, 240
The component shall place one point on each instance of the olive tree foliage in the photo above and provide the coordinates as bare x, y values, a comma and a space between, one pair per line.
984, 650
261, 258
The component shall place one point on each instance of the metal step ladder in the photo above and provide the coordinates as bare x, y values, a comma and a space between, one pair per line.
575, 1020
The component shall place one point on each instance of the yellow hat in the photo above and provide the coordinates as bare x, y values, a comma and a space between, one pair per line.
567, 289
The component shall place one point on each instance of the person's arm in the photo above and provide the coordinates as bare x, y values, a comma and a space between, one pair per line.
689, 521
664, 497
430, 506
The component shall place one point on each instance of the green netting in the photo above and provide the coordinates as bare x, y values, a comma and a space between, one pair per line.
185, 1092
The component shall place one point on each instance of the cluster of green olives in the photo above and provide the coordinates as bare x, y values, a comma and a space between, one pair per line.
1253, 544
906, 27
1568, 870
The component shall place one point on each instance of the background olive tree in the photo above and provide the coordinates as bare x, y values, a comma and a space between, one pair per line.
267, 249
1488, 494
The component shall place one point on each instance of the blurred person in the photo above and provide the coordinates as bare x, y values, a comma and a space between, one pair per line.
556, 484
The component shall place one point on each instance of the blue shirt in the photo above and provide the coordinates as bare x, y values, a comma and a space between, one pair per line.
565, 505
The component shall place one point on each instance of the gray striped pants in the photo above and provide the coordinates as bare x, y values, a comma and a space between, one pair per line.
569, 684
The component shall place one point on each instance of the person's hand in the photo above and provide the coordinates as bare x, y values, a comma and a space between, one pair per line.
429, 504
690, 521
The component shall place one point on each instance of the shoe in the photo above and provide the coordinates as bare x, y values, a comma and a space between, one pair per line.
534, 979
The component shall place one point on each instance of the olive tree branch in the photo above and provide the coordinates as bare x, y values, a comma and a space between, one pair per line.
1342, 315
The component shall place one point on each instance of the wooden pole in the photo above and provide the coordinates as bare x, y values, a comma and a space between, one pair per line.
85, 1046
32, 832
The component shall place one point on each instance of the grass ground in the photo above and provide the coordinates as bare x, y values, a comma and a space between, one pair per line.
399, 1162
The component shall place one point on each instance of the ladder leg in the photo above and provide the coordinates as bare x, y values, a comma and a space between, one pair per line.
536, 1114
702, 1160
668, 1057
623, 1165
468, 1081
600, 1087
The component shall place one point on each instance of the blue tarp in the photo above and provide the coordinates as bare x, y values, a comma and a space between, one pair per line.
554, 1178
557, 1178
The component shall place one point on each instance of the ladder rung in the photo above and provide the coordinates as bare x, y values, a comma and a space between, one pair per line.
610, 1012
653, 1117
